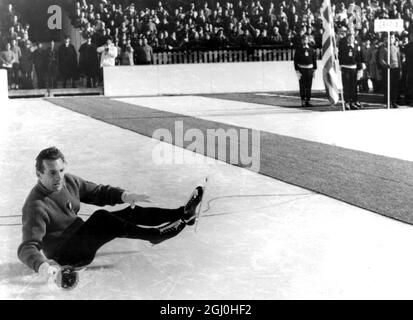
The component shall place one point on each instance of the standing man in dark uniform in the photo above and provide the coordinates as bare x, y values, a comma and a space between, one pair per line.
350, 60
305, 64
409, 70
40, 61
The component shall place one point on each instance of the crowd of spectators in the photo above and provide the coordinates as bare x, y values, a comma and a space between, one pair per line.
14, 45
195, 25
215, 24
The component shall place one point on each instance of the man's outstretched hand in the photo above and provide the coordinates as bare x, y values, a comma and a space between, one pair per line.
133, 198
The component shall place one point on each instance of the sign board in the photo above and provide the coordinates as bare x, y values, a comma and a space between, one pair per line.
388, 25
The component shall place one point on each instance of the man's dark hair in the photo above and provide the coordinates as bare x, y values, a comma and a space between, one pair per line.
51, 153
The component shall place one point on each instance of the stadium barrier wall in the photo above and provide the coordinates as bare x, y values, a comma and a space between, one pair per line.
204, 78
4, 88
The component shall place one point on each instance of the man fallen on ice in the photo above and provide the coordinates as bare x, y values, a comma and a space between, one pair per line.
51, 224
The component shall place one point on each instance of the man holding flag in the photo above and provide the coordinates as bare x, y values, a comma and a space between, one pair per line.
329, 59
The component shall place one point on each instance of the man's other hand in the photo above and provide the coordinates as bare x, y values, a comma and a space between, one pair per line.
48, 270
133, 198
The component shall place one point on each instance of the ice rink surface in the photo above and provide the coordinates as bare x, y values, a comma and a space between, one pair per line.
258, 238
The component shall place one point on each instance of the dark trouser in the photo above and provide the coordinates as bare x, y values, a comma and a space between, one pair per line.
41, 77
103, 226
409, 88
26, 81
376, 85
15, 73
394, 84
306, 82
403, 80
349, 79
52, 77
10, 79
71, 80
90, 74
91, 81
100, 76
364, 84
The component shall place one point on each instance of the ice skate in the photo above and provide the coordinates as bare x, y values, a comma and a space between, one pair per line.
192, 204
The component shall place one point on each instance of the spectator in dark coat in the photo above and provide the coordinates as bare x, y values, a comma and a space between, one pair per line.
143, 52
247, 43
52, 65
26, 66
172, 42
89, 63
409, 70
67, 58
40, 65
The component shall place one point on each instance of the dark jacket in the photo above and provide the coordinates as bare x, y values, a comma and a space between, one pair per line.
52, 58
67, 58
305, 56
409, 58
350, 55
40, 59
88, 60
26, 62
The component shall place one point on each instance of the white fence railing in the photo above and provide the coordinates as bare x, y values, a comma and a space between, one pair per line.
223, 55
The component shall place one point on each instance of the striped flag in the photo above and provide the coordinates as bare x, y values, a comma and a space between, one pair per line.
330, 70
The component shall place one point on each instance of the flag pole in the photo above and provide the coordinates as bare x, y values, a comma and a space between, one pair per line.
342, 99
337, 69
388, 70
341, 88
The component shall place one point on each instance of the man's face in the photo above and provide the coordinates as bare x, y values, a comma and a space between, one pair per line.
305, 41
52, 176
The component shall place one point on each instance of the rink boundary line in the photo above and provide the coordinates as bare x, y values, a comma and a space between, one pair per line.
316, 99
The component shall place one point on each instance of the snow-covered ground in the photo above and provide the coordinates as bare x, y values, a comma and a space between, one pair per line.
258, 238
